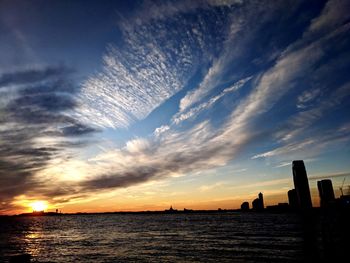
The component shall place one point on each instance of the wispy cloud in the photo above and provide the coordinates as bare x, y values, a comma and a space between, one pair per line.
159, 56
205, 188
307, 97
42, 121
239, 35
283, 164
158, 131
308, 148
302, 121
194, 111
155, 10
330, 175
155, 62
333, 15
203, 146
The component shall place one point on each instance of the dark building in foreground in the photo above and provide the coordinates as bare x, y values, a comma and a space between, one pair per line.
301, 185
326, 192
293, 199
258, 203
245, 206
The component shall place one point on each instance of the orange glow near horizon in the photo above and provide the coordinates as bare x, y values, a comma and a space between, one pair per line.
128, 200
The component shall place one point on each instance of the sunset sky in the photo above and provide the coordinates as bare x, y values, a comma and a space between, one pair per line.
139, 105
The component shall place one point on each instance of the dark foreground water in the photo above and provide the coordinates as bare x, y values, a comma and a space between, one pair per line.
216, 237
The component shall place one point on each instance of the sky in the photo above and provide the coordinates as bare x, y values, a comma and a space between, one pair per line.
140, 105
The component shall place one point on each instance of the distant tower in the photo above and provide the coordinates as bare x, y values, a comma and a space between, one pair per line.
258, 203
325, 190
293, 199
261, 199
301, 185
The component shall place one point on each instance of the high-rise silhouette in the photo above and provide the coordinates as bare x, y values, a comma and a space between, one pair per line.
293, 199
301, 185
325, 190
261, 198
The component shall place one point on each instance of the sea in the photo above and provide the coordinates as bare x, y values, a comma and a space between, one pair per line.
178, 237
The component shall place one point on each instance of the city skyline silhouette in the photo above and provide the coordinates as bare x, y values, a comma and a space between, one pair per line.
174, 131
299, 199
125, 106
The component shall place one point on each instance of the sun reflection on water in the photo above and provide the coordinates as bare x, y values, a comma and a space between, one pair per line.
34, 239
32, 236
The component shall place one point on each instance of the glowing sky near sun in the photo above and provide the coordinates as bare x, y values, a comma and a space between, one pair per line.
139, 105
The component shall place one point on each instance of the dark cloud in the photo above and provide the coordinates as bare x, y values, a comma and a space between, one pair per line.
77, 129
161, 166
32, 75
36, 109
43, 102
136, 175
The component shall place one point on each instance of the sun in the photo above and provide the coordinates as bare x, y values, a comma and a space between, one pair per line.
38, 206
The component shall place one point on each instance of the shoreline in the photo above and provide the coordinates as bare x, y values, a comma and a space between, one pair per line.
187, 211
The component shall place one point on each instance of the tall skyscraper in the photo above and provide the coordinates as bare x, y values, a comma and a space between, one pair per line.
325, 190
301, 185
293, 199
261, 198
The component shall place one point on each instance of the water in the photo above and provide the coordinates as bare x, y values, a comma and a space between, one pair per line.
211, 237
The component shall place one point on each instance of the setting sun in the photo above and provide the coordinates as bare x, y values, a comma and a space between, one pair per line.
38, 206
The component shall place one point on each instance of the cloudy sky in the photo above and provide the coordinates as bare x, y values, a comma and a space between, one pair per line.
139, 105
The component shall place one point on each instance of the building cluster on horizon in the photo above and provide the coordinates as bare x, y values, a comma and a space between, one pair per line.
299, 198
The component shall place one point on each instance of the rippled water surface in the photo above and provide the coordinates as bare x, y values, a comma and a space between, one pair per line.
216, 237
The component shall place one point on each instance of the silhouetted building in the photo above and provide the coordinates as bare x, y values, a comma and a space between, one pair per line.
261, 198
293, 199
245, 206
325, 190
255, 204
258, 203
301, 185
